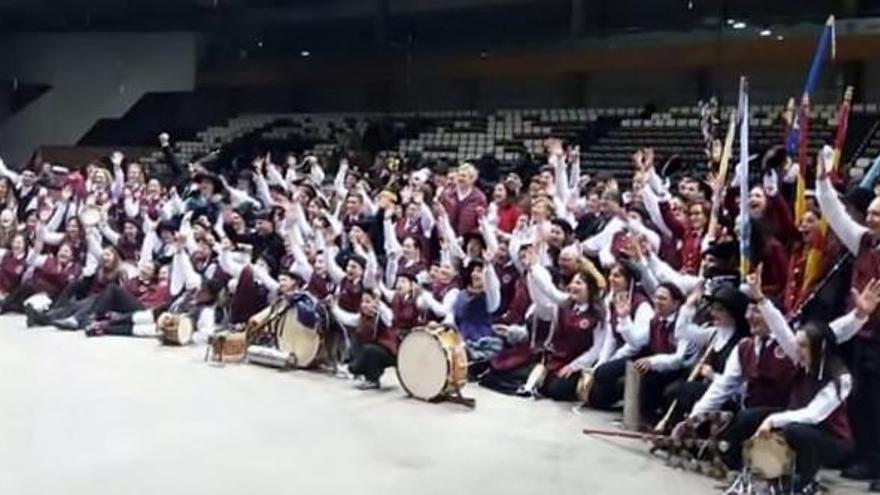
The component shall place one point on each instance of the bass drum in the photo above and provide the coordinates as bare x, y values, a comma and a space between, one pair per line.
295, 338
432, 362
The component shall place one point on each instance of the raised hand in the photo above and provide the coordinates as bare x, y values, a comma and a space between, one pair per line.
116, 158
867, 300
753, 280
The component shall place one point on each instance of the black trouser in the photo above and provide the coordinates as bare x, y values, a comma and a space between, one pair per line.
370, 360
659, 389
116, 299
864, 403
814, 448
14, 302
608, 382
72, 307
564, 389
742, 427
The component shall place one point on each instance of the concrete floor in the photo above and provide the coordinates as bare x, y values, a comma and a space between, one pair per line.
126, 416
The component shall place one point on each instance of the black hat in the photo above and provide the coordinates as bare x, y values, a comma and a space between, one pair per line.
467, 238
166, 224
207, 176
357, 259
734, 301
265, 214
722, 250
564, 225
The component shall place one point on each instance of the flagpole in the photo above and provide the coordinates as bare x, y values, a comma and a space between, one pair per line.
745, 229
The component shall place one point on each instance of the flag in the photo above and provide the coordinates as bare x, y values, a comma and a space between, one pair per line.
798, 137
816, 251
745, 228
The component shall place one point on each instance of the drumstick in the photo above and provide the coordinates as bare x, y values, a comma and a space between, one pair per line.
648, 437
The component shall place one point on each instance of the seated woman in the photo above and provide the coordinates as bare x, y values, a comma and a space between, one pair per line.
103, 269
628, 313
815, 424
577, 335
192, 294
13, 262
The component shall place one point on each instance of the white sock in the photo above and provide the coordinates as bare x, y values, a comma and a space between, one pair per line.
142, 317
144, 330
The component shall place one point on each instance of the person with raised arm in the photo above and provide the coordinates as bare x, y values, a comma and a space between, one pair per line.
863, 241
814, 423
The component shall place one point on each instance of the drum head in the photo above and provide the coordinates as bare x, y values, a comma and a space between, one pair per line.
90, 216
770, 457
297, 339
184, 330
422, 365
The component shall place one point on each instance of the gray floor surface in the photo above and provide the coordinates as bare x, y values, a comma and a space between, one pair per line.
127, 416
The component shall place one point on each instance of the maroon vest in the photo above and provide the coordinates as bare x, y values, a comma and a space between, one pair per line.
411, 269
371, 330
803, 391
350, 294
769, 377
440, 289
320, 286
406, 313
11, 270
52, 278
865, 268
508, 277
573, 336
518, 305
661, 336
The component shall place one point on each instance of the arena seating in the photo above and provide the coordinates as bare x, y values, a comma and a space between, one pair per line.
511, 134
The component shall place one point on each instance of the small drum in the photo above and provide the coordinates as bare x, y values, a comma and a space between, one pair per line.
298, 340
768, 457
175, 329
91, 215
584, 387
432, 362
227, 347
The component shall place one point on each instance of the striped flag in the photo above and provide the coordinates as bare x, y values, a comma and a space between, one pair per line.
798, 138
745, 227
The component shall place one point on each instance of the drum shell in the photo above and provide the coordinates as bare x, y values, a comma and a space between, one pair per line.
267, 356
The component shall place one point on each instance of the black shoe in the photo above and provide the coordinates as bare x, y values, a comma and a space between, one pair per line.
860, 472
34, 317
369, 385
874, 487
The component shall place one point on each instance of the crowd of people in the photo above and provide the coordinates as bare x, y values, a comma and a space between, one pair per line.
548, 278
